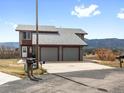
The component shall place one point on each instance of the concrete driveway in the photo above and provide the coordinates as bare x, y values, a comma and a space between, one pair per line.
87, 81
4, 78
76, 78
62, 67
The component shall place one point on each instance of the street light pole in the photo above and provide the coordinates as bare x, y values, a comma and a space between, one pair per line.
37, 46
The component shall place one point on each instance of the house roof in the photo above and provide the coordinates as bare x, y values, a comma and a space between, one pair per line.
61, 38
64, 36
72, 30
58, 39
33, 28
45, 28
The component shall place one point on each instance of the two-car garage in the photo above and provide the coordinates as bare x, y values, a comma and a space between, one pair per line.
53, 53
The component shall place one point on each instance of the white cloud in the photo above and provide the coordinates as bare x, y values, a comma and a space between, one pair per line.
13, 25
97, 13
121, 14
82, 11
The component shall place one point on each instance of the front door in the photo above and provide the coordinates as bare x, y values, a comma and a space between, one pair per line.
26, 51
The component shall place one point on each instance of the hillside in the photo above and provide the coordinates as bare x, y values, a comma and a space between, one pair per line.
105, 43
9, 44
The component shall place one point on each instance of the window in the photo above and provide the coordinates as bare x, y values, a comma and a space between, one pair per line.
24, 50
27, 35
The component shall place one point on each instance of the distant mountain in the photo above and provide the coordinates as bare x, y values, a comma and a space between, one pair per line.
105, 43
92, 43
9, 44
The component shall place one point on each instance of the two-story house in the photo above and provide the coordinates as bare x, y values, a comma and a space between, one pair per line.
55, 44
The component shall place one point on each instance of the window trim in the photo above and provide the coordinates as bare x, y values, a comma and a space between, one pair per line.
26, 36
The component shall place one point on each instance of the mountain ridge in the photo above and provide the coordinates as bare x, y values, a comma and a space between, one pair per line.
105, 43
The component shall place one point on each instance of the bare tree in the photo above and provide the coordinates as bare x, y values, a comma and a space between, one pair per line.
8, 52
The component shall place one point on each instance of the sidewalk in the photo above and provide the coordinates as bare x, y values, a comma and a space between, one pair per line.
4, 78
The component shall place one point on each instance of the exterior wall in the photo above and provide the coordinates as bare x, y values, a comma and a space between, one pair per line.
26, 54
81, 36
60, 53
34, 38
68, 53
81, 53
20, 50
24, 42
20, 54
20, 37
57, 53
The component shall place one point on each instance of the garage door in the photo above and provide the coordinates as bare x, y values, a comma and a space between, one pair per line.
49, 53
70, 54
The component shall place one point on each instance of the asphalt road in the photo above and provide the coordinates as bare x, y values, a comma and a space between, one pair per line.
91, 81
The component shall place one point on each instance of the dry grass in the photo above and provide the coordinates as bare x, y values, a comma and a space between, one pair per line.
111, 63
94, 58
11, 66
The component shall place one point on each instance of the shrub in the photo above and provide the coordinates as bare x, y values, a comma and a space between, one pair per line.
105, 54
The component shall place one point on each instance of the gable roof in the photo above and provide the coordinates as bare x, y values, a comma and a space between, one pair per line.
45, 28
72, 30
33, 28
58, 39
64, 36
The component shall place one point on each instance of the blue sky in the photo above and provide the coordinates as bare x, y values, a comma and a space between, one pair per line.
99, 18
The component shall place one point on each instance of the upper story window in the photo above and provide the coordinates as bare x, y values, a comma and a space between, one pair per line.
80, 35
27, 35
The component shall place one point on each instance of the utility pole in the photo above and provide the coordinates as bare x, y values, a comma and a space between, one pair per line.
37, 45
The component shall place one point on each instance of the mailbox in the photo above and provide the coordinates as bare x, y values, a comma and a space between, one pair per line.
121, 59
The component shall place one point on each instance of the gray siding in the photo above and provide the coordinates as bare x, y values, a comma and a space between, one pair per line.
81, 53
60, 53
20, 37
